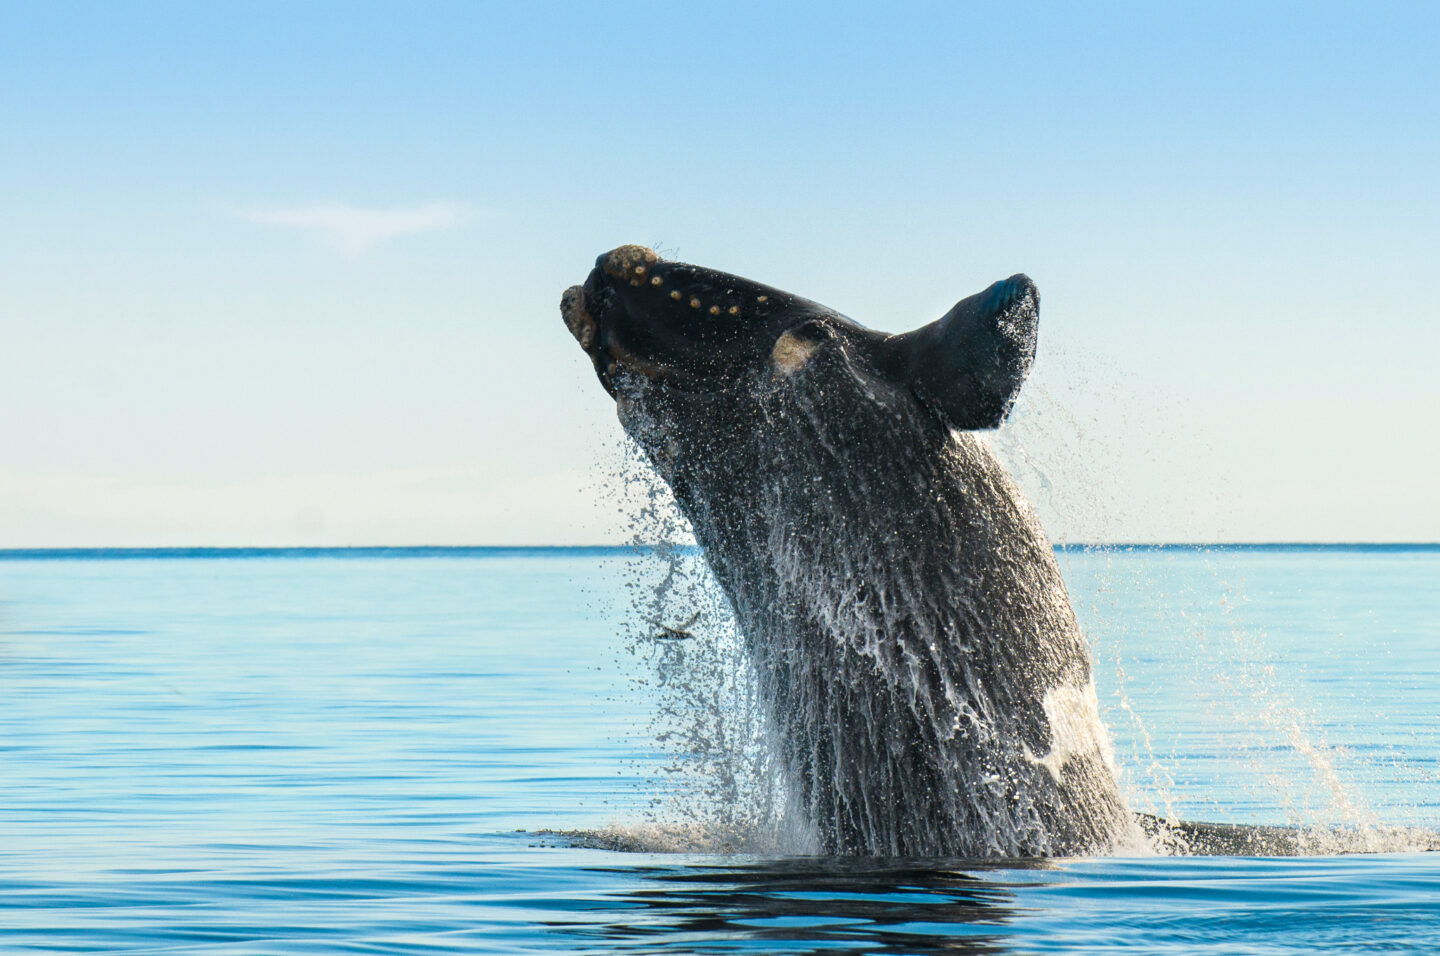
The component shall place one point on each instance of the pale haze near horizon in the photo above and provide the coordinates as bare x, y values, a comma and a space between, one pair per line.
278, 275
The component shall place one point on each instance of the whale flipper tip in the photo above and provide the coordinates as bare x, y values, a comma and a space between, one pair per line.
968, 365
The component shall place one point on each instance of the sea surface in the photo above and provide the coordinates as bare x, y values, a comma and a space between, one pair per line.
357, 752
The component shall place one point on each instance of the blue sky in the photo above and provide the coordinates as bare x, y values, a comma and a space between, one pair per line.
289, 273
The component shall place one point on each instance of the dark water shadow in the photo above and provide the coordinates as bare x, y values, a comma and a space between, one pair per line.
807, 905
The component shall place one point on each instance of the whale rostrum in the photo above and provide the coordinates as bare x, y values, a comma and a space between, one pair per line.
927, 687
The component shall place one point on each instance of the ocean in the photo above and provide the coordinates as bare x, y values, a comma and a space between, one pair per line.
374, 751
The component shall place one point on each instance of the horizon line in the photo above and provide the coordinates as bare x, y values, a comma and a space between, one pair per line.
482, 550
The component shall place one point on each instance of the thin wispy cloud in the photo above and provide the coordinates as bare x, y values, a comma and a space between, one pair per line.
357, 228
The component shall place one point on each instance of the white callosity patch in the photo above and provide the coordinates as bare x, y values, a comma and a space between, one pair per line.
630, 263
791, 353
1073, 714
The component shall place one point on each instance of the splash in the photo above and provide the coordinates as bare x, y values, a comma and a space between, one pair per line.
723, 789
1318, 787
719, 788
1044, 437
900, 669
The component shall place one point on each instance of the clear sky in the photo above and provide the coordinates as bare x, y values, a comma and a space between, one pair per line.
288, 273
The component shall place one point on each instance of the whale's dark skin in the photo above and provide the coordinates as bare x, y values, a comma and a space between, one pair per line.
926, 682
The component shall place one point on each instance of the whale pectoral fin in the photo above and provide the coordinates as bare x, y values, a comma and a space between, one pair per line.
968, 365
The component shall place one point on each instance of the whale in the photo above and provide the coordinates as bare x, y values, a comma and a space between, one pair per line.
926, 686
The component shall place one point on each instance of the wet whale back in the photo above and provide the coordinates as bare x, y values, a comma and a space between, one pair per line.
907, 621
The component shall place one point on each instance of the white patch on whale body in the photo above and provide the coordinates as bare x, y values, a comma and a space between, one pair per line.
791, 353
1075, 728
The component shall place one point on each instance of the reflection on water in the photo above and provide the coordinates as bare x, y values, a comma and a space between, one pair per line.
1169, 905
809, 905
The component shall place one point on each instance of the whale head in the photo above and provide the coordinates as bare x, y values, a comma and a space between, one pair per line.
654, 328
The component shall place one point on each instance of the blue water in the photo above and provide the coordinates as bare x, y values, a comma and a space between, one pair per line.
318, 752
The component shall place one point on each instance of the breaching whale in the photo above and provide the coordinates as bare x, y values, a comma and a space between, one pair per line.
925, 681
